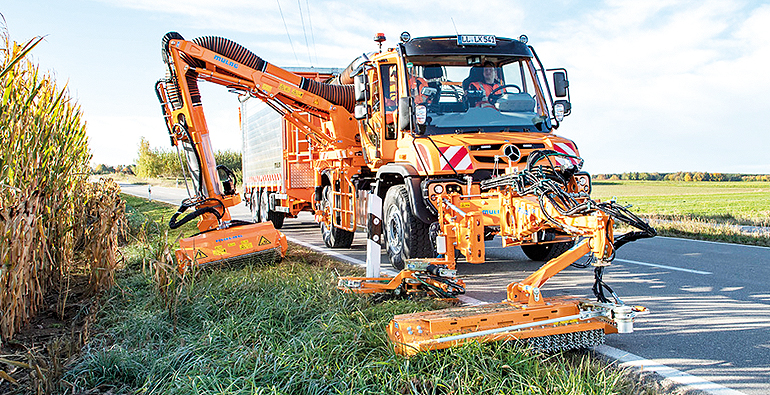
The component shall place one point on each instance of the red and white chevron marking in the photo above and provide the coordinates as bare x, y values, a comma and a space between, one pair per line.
423, 158
457, 156
568, 149
265, 179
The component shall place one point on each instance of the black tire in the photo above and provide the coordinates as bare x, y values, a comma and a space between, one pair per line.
405, 235
265, 214
546, 252
333, 237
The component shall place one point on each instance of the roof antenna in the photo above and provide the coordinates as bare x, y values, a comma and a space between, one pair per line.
453, 24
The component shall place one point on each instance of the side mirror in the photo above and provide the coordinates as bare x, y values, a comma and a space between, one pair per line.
560, 84
404, 113
561, 108
360, 111
359, 87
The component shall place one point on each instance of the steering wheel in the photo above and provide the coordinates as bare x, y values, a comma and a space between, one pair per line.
500, 88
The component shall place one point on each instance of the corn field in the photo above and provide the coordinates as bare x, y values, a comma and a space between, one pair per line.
47, 207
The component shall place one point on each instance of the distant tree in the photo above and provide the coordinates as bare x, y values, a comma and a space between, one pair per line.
149, 164
699, 176
100, 169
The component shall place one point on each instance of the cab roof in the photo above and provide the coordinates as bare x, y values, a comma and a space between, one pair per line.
450, 45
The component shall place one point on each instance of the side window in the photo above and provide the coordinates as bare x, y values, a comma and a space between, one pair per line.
389, 74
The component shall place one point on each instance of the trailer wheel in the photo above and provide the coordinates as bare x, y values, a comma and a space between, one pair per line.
333, 237
265, 214
546, 252
406, 236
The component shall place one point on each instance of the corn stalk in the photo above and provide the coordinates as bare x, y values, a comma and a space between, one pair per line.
44, 194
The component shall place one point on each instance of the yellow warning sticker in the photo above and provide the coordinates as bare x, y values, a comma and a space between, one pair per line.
245, 245
219, 250
465, 204
290, 90
231, 244
263, 241
200, 255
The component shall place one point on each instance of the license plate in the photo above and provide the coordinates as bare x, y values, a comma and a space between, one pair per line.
475, 39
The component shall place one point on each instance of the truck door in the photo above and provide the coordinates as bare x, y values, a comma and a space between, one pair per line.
383, 103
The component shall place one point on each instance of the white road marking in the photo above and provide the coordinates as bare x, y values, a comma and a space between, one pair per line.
662, 266
628, 360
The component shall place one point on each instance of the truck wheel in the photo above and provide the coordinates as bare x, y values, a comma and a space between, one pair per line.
333, 237
546, 252
266, 214
406, 236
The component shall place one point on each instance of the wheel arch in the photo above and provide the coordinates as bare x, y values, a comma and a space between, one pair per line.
401, 173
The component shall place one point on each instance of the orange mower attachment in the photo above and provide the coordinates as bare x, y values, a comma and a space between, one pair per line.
421, 277
249, 242
547, 324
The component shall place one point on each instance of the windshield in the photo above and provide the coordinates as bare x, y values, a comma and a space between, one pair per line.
480, 98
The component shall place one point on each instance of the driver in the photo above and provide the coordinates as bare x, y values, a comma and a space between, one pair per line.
489, 83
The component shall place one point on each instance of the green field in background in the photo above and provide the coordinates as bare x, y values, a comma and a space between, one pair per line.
745, 201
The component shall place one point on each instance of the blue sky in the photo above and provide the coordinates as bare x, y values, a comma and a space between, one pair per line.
655, 85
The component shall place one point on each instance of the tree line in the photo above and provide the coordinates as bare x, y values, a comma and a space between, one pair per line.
161, 162
681, 176
164, 163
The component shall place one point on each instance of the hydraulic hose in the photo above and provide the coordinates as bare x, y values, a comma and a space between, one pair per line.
339, 94
173, 223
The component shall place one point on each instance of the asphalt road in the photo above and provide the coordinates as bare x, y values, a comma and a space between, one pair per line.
709, 302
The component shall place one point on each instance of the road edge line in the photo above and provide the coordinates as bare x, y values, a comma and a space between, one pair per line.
644, 369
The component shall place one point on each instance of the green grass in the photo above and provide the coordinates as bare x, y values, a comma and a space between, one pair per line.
286, 329
155, 214
696, 210
743, 201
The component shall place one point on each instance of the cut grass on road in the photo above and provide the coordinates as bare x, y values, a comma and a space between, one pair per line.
286, 329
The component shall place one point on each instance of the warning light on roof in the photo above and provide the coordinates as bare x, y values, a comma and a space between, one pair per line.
405, 37
379, 38
523, 39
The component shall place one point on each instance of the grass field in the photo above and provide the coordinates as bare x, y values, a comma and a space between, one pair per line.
698, 210
746, 202
286, 329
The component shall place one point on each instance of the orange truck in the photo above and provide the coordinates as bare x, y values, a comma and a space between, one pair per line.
433, 146
452, 134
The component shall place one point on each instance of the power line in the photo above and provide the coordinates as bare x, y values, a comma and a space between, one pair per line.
312, 36
287, 31
302, 18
